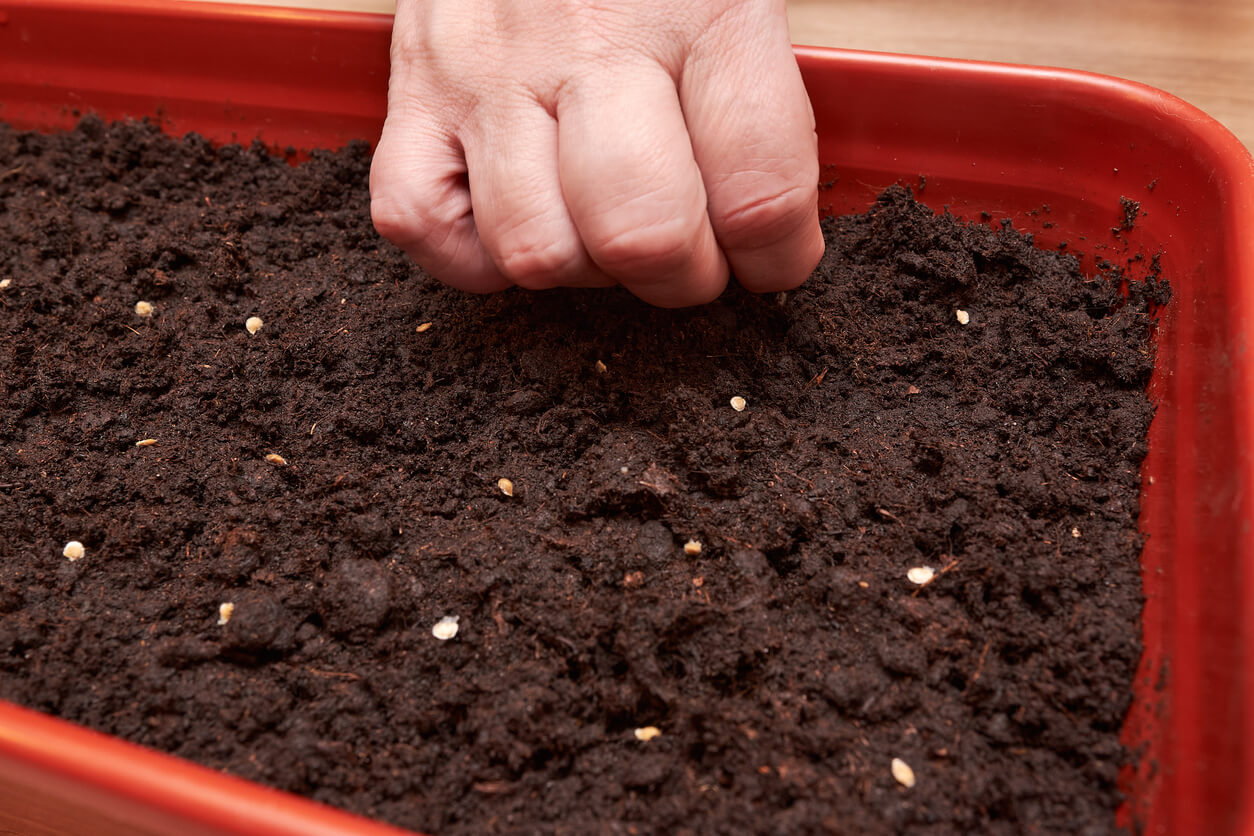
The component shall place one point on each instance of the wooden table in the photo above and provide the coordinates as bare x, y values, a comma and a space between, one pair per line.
1199, 50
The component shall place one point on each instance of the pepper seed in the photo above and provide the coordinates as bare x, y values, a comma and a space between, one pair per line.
903, 773
445, 628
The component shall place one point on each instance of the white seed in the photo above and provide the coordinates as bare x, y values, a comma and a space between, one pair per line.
445, 628
73, 550
920, 574
623, 470
601, 367
225, 610
1075, 532
423, 327
903, 773
963, 316
275, 458
145, 442
692, 548
143, 308
4, 283
506, 486
738, 403
253, 324
644, 735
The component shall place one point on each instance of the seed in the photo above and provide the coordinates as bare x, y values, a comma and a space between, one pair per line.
903, 773
445, 628
4, 283
644, 735
692, 548
506, 486
921, 574
73, 550
963, 316
143, 308
275, 458
601, 367
423, 327
738, 403
224, 612
1075, 532
253, 324
913, 390
145, 442
864, 584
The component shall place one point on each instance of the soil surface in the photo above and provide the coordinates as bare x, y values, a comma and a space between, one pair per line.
785, 665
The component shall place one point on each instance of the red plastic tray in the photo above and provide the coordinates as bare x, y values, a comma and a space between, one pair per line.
1053, 150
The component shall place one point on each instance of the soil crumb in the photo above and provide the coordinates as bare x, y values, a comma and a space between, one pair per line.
411, 641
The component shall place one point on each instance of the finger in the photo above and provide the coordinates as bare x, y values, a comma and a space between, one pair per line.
419, 200
753, 136
516, 195
633, 188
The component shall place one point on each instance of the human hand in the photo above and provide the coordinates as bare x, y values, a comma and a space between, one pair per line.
549, 143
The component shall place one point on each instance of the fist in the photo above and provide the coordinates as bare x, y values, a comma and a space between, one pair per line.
656, 144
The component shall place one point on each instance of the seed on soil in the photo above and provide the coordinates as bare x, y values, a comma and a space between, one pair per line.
225, 610
644, 735
253, 324
73, 550
903, 773
601, 367
692, 548
963, 316
422, 327
445, 628
913, 390
143, 308
145, 442
4, 283
275, 458
920, 574
738, 403
1075, 532
506, 486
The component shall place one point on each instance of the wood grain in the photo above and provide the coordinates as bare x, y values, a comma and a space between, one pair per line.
1199, 50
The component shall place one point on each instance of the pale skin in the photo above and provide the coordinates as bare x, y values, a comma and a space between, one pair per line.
658, 144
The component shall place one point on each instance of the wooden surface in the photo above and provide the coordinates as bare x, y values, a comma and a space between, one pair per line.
1200, 50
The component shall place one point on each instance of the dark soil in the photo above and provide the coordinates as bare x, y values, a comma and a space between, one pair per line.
786, 665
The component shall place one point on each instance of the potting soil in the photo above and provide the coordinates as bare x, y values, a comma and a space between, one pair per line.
675, 617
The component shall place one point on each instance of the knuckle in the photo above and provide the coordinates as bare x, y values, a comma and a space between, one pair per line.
764, 214
661, 248
538, 266
390, 218
414, 227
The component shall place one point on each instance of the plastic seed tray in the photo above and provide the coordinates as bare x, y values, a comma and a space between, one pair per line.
1054, 151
